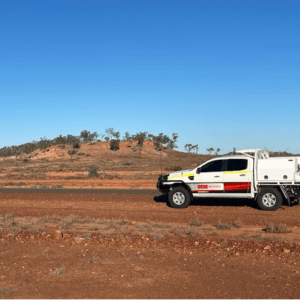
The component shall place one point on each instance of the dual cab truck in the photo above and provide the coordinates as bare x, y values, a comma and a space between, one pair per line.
251, 174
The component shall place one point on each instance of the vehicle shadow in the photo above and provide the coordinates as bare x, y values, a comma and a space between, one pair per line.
213, 201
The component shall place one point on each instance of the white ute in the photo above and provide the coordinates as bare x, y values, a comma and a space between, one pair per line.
251, 174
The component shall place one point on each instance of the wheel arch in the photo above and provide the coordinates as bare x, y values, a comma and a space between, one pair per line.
184, 185
285, 199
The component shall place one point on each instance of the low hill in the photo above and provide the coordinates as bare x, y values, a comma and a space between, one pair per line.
131, 166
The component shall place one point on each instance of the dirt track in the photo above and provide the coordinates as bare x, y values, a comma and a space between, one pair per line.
141, 208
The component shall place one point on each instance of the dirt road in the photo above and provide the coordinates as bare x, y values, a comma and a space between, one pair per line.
80, 191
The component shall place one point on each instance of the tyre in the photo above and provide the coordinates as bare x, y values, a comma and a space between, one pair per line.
179, 197
269, 199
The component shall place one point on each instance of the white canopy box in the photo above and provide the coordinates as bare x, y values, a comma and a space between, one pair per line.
281, 169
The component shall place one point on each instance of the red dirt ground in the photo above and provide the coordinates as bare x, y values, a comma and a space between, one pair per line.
236, 263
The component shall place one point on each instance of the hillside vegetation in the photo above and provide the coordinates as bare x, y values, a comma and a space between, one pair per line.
95, 164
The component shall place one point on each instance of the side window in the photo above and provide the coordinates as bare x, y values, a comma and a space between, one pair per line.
237, 164
213, 166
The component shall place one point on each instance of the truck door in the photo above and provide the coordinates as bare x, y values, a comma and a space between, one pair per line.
238, 175
209, 178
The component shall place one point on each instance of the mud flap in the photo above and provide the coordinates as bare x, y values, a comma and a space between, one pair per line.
285, 195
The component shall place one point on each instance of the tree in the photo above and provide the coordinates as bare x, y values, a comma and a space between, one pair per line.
102, 136
43, 144
73, 140
210, 150
188, 147
217, 151
93, 136
29, 147
60, 140
112, 133
163, 139
195, 147
87, 136
16, 151
84, 134
140, 137
127, 137
172, 142
71, 153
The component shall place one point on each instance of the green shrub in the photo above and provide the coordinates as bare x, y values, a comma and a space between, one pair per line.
114, 145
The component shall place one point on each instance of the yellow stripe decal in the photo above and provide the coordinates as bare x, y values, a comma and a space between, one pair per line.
183, 175
237, 172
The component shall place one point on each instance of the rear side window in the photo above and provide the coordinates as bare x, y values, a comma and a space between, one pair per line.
213, 166
237, 164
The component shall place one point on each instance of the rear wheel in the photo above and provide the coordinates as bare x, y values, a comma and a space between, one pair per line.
269, 199
179, 197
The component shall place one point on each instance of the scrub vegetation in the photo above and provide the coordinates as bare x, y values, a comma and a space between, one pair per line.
277, 228
88, 137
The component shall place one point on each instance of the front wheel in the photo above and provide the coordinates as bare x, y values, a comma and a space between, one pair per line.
179, 197
269, 199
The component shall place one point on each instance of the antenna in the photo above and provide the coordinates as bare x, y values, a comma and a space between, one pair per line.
160, 161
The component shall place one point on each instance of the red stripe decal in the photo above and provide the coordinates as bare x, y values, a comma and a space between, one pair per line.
237, 186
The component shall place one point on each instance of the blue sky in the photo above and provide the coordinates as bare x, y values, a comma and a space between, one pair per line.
219, 73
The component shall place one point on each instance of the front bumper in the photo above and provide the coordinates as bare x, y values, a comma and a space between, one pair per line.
160, 184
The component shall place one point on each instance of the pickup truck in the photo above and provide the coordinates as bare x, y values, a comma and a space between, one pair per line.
251, 174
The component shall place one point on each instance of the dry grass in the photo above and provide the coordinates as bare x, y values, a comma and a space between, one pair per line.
277, 228
47, 251
8, 184
16, 226
237, 224
45, 219
8, 221
69, 220
93, 172
20, 184
59, 271
8, 289
222, 226
39, 186
57, 186
196, 223
87, 228
91, 259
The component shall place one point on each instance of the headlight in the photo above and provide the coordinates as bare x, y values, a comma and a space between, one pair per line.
163, 177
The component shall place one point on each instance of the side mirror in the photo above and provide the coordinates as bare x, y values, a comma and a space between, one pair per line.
198, 170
